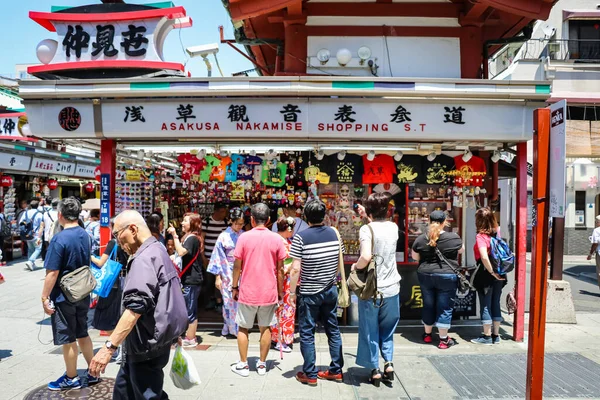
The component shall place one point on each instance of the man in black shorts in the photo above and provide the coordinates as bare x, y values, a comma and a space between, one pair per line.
68, 251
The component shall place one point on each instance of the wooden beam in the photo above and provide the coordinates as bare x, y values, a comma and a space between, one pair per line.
247, 9
532, 9
413, 31
475, 15
434, 10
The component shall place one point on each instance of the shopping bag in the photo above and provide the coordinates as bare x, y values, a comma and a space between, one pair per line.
107, 275
183, 371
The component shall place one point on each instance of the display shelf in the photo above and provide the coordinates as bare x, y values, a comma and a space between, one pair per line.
429, 201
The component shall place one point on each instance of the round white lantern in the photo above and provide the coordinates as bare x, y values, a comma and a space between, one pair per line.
46, 50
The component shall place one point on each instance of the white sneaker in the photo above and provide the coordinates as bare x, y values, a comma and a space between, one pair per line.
240, 368
29, 265
189, 342
285, 349
261, 367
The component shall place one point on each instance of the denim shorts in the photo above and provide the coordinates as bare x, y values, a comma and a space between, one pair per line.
191, 294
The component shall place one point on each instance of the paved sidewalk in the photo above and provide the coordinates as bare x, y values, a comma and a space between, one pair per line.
466, 371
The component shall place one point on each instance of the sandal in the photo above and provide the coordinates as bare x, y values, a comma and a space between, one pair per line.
375, 381
388, 375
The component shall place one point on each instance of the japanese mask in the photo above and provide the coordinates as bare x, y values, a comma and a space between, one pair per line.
344, 192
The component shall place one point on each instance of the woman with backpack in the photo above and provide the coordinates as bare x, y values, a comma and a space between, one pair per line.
378, 318
487, 281
190, 249
437, 276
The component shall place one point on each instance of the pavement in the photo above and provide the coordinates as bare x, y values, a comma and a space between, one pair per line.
466, 371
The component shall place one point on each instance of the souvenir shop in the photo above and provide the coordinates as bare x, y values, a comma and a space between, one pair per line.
192, 143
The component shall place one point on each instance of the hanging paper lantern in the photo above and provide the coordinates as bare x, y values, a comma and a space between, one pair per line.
6, 181
52, 184
97, 173
90, 187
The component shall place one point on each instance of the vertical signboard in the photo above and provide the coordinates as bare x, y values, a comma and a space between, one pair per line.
558, 143
105, 200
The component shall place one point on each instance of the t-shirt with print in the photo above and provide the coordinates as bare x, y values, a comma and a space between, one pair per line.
255, 164
434, 172
211, 162
273, 173
260, 251
212, 229
386, 237
348, 170
409, 169
218, 174
449, 244
191, 165
324, 165
381, 170
318, 248
246, 170
232, 170
475, 164
69, 250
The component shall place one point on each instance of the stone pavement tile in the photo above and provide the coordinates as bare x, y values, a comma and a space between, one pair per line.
234, 387
421, 380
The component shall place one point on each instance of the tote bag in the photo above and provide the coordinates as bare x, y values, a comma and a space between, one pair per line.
107, 275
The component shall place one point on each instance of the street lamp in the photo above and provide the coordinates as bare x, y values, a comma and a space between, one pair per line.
204, 51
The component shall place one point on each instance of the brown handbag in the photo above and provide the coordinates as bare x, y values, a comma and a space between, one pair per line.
343, 295
363, 282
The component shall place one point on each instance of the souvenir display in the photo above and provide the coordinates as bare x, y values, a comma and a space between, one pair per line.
134, 195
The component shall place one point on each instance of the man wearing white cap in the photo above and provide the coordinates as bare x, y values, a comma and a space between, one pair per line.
595, 239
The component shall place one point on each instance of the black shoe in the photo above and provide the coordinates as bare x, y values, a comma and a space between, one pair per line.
388, 376
375, 381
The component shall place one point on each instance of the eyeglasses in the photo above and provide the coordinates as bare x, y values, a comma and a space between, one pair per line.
118, 233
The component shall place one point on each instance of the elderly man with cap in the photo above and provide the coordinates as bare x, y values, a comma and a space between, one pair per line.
154, 314
595, 250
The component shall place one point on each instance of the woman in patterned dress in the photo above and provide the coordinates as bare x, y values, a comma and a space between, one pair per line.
286, 311
221, 265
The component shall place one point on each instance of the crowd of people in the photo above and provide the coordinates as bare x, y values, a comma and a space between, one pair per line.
281, 274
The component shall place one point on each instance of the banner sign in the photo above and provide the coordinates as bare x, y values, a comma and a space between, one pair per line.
105, 200
14, 161
85, 170
558, 146
52, 167
11, 124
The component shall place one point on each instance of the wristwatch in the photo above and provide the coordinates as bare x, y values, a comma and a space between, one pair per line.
235, 288
110, 346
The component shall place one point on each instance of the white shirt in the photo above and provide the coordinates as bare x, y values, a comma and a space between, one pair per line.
49, 218
386, 237
595, 238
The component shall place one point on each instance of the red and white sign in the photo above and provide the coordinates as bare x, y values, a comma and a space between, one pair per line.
6, 181
90, 187
97, 173
52, 184
100, 38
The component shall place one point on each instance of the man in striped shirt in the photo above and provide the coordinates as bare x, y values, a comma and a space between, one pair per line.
316, 253
212, 227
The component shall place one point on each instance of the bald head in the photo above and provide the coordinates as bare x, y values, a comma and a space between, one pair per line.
131, 231
130, 217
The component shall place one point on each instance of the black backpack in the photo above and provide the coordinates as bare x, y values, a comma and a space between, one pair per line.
26, 227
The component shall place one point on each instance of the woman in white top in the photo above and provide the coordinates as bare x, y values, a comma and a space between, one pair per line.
378, 319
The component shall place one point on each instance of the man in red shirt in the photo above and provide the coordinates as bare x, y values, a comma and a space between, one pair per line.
259, 256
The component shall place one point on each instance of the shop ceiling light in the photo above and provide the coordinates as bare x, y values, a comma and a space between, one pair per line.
323, 56
398, 156
235, 148
350, 147
364, 53
496, 156
140, 154
431, 156
344, 56
174, 148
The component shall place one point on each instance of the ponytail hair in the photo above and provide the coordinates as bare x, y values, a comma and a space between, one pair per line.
435, 229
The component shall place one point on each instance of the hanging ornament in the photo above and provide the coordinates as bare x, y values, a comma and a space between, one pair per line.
52, 184
89, 187
6, 181
97, 173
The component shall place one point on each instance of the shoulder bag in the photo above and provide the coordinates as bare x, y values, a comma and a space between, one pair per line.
184, 270
343, 295
78, 284
363, 282
464, 285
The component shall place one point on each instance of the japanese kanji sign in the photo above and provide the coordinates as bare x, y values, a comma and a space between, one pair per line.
51, 167
10, 125
105, 200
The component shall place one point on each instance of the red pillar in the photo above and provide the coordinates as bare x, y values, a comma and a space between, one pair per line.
539, 256
296, 46
471, 52
108, 164
521, 242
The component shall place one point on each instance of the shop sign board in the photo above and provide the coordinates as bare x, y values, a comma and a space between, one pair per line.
84, 170
558, 146
62, 119
51, 167
133, 175
14, 162
317, 119
10, 127
105, 200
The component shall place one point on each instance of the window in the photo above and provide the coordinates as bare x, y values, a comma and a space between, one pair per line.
584, 39
579, 207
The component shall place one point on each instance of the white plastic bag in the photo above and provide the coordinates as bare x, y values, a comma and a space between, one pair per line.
183, 371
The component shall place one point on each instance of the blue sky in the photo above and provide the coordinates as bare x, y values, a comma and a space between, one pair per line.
20, 35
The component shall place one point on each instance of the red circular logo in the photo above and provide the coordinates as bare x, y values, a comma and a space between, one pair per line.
52, 184
69, 119
90, 187
6, 181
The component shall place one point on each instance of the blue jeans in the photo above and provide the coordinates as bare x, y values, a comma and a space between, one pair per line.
376, 327
439, 293
319, 307
33, 250
489, 302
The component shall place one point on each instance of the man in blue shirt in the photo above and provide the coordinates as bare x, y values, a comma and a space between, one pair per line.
34, 246
68, 251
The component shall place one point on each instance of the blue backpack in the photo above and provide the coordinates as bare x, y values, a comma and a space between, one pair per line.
501, 257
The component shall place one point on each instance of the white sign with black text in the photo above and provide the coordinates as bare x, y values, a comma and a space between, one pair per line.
558, 145
51, 167
85, 170
14, 162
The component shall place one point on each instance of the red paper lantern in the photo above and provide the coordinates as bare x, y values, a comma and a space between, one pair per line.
6, 181
52, 184
97, 173
90, 187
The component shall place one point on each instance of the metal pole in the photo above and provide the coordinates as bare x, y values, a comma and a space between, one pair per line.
558, 249
539, 256
520, 242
